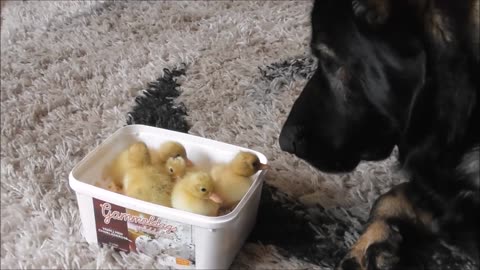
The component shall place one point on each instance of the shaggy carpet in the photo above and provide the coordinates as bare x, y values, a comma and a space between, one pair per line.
74, 72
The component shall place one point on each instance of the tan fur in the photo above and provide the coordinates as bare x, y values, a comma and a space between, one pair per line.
392, 204
425, 218
435, 22
438, 25
376, 231
397, 204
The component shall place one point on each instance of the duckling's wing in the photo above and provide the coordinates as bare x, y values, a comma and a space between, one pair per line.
217, 172
148, 185
162, 188
155, 158
181, 199
211, 208
232, 188
116, 169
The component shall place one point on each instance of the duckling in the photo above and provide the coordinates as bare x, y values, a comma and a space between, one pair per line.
136, 155
148, 184
108, 185
167, 150
176, 167
194, 193
232, 180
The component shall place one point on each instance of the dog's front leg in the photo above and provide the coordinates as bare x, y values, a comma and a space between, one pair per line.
378, 246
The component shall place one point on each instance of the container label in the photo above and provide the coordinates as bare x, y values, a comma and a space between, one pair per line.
171, 243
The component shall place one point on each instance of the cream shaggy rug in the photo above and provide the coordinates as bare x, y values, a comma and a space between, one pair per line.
74, 72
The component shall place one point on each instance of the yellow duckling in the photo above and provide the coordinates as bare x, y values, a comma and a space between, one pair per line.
148, 184
176, 167
232, 180
194, 193
168, 150
139, 178
137, 155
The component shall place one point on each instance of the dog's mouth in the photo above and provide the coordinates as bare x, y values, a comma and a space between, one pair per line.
321, 157
377, 154
331, 164
328, 161
348, 162
335, 167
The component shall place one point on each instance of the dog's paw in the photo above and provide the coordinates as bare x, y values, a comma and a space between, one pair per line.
382, 256
350, 263
374, 12
379, 255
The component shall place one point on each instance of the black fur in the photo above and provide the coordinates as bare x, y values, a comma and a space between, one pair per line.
396, 85
354, 106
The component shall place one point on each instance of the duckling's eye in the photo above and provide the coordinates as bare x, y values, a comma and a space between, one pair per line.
170, 169
203, 189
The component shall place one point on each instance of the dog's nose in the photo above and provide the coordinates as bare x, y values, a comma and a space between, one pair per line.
289, 138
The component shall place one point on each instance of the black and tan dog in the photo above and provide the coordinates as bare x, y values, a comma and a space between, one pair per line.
406, 74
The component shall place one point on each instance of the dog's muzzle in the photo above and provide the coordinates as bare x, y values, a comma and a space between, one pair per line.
291, 139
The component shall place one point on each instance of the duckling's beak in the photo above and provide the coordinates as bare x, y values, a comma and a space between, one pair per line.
263, 166
214, 197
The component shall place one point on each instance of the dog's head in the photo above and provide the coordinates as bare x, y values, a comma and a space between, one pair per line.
353, 106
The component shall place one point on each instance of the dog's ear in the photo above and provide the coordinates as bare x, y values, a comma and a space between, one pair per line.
442, 113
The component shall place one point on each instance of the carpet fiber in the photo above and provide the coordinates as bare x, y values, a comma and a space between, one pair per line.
74, 72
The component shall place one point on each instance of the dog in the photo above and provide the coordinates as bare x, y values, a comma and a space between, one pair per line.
402, 74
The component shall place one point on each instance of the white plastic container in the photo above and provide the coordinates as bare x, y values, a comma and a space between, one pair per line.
183, 239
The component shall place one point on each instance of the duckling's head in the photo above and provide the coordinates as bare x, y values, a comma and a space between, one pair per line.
246, 164
171, 149
199, 184
176, 167
138, 154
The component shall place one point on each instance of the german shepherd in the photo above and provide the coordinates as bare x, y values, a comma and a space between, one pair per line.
401, 73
